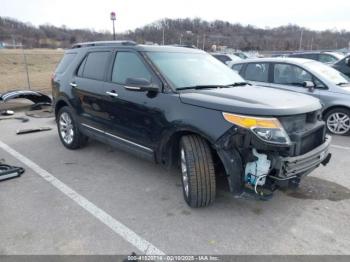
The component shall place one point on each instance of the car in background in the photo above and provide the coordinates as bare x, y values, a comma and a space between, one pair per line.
343, 65
307, 77
226, 58
324, 57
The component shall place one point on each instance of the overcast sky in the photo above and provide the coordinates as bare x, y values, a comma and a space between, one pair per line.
131, 14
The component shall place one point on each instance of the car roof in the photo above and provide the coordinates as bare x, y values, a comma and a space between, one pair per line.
135, 46
297, 61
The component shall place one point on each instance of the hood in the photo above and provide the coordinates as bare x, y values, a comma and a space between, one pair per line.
252, 100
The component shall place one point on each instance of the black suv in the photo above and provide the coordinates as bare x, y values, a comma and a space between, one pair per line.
181, 107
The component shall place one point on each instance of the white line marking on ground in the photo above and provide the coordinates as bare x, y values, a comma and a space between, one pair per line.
119, 228
341, 147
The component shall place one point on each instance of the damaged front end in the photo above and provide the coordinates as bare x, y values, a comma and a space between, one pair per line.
261, 155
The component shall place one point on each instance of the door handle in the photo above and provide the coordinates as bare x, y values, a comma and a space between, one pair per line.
112, 94
72, 84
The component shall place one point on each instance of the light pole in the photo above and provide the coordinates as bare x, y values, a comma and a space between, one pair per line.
113, 18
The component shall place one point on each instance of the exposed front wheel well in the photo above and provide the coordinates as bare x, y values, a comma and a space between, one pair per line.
324, 113
170, 156
59, 105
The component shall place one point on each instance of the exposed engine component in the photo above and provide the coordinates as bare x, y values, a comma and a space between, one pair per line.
256, 172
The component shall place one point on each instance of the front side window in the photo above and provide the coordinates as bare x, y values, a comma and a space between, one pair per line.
257, 72
286, 74
95, 65
129, 65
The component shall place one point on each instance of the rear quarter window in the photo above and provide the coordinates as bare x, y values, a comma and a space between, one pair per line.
65, 62
237, 67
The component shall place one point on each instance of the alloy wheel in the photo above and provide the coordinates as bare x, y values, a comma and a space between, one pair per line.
338, 123
66, 128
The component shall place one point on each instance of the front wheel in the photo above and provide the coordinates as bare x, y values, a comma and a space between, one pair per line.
197, 168
338, 121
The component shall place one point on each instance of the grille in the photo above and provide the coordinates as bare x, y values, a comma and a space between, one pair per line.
304, 130
311, 141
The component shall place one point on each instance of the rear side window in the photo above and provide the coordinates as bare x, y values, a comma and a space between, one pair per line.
129, 65
257, 72
94, 65
65, 62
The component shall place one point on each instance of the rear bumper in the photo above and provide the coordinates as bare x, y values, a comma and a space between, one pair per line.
293, 166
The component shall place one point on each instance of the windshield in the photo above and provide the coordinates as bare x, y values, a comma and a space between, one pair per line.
193, 69
337, 55
329, 73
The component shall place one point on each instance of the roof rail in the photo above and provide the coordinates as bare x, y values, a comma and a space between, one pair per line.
105, 43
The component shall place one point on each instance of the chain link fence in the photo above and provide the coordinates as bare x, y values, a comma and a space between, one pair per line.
27, 69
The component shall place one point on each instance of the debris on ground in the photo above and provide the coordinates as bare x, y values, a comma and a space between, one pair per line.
7, 113
32, 130
40, 110
8, 172
23, 119
34, 96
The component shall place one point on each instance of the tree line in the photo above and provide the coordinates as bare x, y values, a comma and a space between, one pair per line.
195, 32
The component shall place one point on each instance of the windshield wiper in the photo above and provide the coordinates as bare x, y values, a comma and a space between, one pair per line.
343, 83
214, 86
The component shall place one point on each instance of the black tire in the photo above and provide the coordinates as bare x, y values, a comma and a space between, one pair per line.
330, 115
78, 139
200, 171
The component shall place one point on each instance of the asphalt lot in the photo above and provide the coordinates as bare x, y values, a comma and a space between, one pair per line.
38, 218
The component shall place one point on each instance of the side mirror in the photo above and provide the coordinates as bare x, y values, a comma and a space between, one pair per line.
309, 85
140, 84
347, 61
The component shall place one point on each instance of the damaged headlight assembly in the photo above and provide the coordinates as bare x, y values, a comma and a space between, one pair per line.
267, 129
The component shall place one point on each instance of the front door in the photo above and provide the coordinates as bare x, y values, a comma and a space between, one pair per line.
291, 77
135, 117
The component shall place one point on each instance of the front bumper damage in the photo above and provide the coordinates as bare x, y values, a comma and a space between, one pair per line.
293, 166
236, 150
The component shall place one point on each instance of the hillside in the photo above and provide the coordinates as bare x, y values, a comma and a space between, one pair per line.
190, 31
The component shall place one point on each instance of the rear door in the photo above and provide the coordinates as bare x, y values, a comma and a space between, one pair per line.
87, 88
291, 77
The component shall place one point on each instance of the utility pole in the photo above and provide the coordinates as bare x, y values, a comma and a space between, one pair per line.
26, 67
203, 41
301, 38
113, 18
163, 37
312, 42
197, 40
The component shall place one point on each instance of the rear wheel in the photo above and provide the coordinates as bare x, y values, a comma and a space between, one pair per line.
197, 168
338, 121
68, 130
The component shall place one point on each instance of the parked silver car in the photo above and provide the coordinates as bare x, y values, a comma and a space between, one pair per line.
308, 77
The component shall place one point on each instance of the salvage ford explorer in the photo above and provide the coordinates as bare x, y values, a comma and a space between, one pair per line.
182, 108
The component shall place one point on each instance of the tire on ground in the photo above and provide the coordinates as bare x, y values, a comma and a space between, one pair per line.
200, 171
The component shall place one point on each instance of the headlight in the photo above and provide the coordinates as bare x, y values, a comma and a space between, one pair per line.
267, 129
